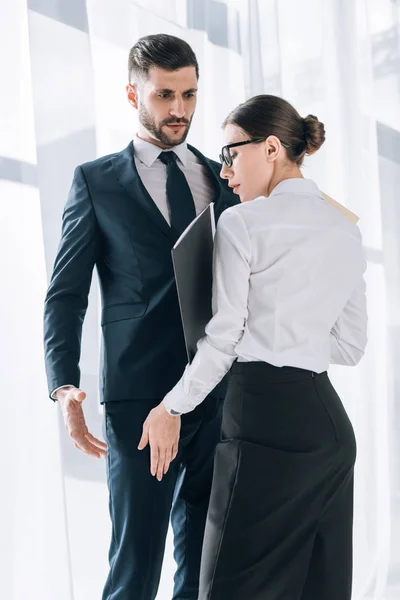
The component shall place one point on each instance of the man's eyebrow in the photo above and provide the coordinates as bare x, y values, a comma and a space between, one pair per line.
168, 91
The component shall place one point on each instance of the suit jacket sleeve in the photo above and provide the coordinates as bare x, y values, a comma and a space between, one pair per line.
67, 297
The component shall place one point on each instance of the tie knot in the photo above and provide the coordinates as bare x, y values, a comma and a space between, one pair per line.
167, 157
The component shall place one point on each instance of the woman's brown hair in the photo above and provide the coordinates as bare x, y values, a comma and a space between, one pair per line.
265, 115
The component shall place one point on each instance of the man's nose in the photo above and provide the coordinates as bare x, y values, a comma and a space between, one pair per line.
178, 108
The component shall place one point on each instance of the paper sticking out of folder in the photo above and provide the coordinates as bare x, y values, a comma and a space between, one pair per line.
352, 217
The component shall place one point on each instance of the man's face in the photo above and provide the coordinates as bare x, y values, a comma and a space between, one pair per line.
165, 102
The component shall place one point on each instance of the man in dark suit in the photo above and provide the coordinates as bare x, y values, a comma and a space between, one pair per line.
124, 213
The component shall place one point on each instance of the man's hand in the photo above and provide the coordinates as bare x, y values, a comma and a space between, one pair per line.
161, 430
70, 400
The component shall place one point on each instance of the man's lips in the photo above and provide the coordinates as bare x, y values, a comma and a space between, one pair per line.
235, 186
176, 125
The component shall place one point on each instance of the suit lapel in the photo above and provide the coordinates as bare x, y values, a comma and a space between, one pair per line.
128, 176
223, 198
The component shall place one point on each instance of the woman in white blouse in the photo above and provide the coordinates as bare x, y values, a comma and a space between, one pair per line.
288, 300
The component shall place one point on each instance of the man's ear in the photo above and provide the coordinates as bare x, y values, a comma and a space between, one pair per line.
132, 95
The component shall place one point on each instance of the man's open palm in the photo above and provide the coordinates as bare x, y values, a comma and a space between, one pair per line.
71, 406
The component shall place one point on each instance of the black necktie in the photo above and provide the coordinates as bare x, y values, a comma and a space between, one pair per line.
180, 199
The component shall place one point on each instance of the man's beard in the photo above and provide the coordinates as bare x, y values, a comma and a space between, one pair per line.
156, 130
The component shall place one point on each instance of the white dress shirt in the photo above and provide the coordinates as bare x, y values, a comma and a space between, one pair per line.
288, 290
153, 174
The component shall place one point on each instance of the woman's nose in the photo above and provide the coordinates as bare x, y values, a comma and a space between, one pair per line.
224, 173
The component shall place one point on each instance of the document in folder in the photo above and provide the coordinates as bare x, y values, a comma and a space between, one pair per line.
192, 258
353, 218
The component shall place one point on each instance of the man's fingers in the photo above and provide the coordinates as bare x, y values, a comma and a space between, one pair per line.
82, 443
93, 440
88, 448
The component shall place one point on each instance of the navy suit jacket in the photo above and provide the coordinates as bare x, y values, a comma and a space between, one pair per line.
111, 222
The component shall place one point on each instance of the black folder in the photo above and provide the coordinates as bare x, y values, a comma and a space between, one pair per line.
192, 258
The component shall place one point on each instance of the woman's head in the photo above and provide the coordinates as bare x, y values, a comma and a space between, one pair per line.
281, 139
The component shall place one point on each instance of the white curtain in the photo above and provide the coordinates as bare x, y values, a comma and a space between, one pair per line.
62, 102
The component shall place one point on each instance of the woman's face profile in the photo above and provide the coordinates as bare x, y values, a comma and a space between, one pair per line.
250, 172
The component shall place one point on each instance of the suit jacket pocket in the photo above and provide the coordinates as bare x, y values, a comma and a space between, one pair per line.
121, 312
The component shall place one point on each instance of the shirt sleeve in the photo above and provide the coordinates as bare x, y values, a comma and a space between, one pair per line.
216, 351
348, 337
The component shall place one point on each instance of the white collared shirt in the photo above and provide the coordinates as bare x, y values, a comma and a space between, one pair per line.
288, 290
153, 174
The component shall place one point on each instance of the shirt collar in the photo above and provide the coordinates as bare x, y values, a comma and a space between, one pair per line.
297, 185
148, 153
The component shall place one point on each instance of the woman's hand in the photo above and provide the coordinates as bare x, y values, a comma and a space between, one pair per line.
161, 430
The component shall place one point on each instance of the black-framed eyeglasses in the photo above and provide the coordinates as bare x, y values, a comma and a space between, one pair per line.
226, 156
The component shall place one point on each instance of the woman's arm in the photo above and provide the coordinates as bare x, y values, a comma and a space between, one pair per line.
216, 351
348, 336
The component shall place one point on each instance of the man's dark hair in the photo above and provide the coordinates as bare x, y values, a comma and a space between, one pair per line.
159, 50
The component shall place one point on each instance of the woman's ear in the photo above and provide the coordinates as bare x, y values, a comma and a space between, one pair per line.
272, 148
132, 95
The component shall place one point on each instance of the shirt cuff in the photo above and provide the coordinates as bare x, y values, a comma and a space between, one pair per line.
176, 401
62, 387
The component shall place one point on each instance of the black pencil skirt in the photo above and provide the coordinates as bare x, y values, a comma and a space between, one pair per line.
280, 519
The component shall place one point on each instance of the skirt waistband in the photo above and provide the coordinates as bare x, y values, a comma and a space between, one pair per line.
272, 373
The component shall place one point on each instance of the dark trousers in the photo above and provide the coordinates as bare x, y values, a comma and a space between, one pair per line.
140, 506
280, 518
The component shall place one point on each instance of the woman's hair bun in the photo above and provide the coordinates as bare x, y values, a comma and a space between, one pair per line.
314, 133
265, 115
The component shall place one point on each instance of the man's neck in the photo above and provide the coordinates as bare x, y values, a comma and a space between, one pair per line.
151, 140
